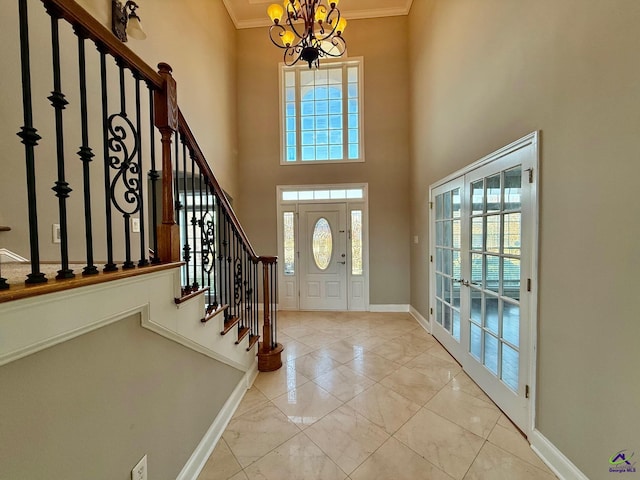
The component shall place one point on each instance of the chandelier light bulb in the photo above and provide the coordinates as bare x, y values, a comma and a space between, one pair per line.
275, 12
321, 14
287, 38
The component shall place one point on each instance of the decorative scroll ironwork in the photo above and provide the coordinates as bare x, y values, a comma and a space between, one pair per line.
125, 185
125, 188
208, 240
237, 283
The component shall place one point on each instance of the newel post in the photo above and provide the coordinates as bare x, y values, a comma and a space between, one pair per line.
166, 120
269, 359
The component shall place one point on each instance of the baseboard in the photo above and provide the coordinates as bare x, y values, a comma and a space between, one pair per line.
201, 454
424, 323
560, 465
391, 308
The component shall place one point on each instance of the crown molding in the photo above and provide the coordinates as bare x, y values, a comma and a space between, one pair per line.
351, 15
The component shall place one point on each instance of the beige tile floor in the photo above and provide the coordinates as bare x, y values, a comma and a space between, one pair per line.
367, 396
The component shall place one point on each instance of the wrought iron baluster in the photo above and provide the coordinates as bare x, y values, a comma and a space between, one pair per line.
30, 137
195, 285
122, 160
237, 277
201, 226
141, 217
219, 250
154, 176
85, 153
229, 267
61, 186
176, 179
110, 266
209, 246
186, 250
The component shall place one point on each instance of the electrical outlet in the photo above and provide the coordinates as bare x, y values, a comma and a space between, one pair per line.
139, 472
55, 233
135, 225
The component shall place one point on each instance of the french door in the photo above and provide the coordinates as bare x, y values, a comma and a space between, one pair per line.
484, 251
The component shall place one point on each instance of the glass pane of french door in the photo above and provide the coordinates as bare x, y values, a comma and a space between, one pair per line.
448, 275
494, 290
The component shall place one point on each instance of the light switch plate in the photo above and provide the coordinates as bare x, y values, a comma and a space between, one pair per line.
139, 472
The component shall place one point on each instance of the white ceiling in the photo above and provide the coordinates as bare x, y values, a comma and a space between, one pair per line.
253, 13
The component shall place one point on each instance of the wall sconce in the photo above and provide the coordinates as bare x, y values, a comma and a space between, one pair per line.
125, 21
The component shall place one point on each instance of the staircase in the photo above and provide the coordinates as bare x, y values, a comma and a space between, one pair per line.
137, 198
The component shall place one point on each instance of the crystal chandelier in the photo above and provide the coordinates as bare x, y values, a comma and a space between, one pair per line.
312, 29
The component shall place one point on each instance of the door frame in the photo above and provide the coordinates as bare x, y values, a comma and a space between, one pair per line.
531, 228
292, 205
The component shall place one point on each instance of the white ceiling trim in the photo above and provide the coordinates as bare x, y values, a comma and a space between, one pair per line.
351, 15
230, 12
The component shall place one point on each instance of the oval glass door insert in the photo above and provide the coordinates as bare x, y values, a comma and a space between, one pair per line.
322, 244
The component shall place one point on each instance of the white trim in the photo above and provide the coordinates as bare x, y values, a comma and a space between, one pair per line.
560, 465
186, 342
350, 14
201, 454
530, 211
344, 64
25, 331
390, 308
293, 206
13, 256
530, 139
424, 323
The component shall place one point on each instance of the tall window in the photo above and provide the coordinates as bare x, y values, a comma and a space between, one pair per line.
321, 112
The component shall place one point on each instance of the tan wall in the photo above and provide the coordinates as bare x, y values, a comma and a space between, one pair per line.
386, 128
197, 38
93, 406
486, 73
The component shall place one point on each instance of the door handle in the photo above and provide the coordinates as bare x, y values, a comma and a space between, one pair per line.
343, 263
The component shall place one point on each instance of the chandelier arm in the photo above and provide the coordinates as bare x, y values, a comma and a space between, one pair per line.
337, 42
295, 31
333, 24
294, 53
280, 32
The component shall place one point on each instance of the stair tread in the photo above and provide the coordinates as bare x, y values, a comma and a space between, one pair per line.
229, 324
252, 341
212, 313
244, 331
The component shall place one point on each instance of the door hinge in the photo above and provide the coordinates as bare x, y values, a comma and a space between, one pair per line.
530, 170
431, 205
528, 284
526, 391
431, 311
431, 258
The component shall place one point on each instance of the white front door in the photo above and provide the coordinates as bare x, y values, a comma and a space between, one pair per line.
323, 257
483, 298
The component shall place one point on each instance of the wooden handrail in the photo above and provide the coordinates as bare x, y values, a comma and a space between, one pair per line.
93, 29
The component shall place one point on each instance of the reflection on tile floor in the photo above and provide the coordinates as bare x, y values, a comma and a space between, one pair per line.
368, 396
